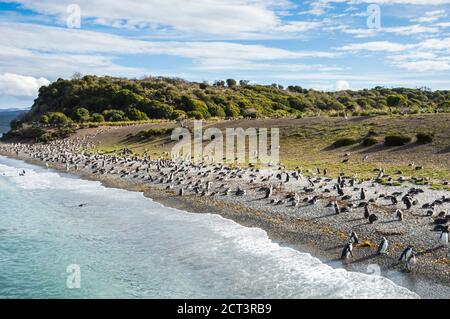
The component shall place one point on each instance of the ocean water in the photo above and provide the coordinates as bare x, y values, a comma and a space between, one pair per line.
127, 246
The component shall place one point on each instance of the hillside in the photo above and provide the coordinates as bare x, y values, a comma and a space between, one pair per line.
98, 99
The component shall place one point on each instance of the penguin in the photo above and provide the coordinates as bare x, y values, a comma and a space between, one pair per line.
394, 200
354, 238
410, 262
268, 192
399, 215
407, 201
373, 218
339, 190
382, 248
406, 254
181, 192
443, 238
363, 194
347, 252
366, 212
337, 210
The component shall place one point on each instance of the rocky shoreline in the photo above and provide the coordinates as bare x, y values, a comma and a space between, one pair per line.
308, 223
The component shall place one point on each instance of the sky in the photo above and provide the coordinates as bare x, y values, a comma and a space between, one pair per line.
325, 45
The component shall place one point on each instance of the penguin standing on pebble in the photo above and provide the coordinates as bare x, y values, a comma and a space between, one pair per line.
353, 238
337, 210
406, 254
382, 248
366, 211
347, 252
410, 262
268, 192
399, 215
443, 238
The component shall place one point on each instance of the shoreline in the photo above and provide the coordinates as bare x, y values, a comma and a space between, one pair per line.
303, 235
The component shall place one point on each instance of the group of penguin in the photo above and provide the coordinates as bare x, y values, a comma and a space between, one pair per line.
408, 256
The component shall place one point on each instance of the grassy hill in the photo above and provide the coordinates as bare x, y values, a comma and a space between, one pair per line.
309, 143
98, 99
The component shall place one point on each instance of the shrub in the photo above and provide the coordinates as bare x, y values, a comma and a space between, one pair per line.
98, 118
81, 115
369, 141
46, 137
178, 115
58, 118
424, 138
15, 124
44, 119
346, 141
396, 140
115, 115
30, 132
135, 115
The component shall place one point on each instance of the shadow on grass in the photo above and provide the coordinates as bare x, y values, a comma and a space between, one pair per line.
444, 151
405, 147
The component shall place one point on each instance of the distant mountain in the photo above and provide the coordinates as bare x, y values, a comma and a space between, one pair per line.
13, 110
6, 116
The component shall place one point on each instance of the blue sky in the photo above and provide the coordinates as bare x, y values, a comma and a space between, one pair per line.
325, 44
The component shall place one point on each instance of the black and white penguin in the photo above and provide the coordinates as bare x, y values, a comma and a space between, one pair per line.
373, 218
269, 192
353, 238
407, 201
363, 194
366, 211
382, 248
406, 254
410, 262
399, 214
337, 210
347, 252
443, 237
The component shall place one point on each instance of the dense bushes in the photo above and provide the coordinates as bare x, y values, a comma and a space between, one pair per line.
424, 138
396, 140
119, 99
369, 141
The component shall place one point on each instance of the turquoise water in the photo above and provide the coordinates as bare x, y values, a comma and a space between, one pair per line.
128, 246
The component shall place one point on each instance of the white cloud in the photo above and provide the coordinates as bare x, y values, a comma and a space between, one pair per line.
375, 46
342, 85
18, 85
44, 38
242, 65
425, 65
431, 16
220, 18
56, 52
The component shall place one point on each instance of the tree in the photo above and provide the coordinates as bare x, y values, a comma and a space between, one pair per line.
81, 115
231, 83
203, 85
219, 83
157, 110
